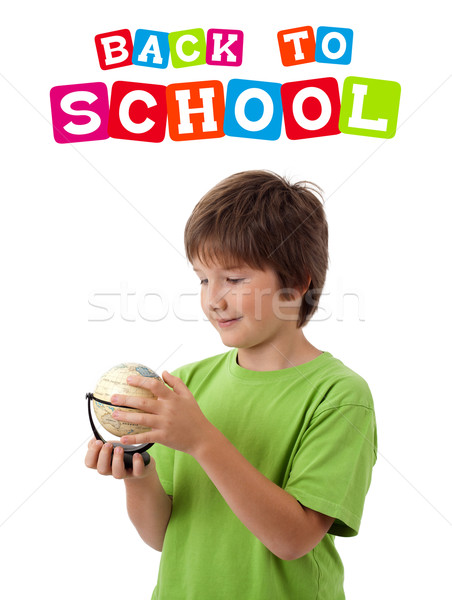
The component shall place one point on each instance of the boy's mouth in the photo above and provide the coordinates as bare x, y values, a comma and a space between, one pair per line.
227, 322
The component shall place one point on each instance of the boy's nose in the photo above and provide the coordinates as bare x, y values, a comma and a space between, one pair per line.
217, 301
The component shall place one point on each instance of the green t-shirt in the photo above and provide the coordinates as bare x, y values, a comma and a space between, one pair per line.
311, 430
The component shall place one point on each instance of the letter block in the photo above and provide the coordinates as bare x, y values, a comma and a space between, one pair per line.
296, 46
151, 49
195, 110
224, 47
114, 49
71, 120
334, 45
311, 108
370, 107
137, 111
188, 48
253, 109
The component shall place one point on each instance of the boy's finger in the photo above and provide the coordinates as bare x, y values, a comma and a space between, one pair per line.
149, 405
140, 438
175, 382
142, 382
92, 454
117, 464
135, 418
104, 460
138, 465
161, 390
154, 385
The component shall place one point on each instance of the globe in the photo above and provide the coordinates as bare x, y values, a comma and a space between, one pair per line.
112, 382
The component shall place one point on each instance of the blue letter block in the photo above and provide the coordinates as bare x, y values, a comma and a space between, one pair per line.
334, 45
253, 109
151, 49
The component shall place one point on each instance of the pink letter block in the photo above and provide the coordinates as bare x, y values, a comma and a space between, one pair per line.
79, 112
224, 47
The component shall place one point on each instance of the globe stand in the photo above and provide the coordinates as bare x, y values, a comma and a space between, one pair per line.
129, 451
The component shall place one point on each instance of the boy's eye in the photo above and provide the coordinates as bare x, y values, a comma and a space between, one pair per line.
230, 279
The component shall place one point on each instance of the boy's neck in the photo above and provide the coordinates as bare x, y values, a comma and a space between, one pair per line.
278, 354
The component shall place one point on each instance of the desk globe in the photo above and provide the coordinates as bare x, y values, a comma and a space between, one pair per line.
112, 382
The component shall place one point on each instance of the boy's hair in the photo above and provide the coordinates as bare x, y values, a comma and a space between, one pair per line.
261, 219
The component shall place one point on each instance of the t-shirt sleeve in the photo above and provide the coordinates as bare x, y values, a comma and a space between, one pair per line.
332, 467
164, 464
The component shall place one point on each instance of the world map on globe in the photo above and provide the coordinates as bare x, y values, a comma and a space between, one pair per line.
113, 382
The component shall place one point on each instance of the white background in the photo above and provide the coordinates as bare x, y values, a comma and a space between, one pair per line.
94, 218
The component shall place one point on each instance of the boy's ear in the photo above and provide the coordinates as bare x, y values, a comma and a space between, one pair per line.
292, 294
303, 291
295, 293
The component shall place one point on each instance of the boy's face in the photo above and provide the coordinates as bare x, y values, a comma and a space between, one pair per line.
244, 304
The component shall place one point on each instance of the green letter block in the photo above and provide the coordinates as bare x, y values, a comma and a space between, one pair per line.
188, 48
369, 107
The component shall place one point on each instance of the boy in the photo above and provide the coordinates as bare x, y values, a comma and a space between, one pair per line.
264, 453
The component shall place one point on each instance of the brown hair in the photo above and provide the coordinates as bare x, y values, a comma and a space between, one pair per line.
261, 219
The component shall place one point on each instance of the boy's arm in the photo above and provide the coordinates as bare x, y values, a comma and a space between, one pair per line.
149, 508
274, 516
283, 525
148, 505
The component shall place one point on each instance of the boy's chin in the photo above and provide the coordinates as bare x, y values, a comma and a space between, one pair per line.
231, 341
228, 343
235, 341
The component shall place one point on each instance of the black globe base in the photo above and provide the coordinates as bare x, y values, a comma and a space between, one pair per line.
129, 451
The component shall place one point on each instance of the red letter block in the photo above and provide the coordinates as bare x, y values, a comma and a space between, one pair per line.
311, 108
114, 49
137, 111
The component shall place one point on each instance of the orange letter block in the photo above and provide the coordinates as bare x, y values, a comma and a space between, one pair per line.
195, 110
297, 46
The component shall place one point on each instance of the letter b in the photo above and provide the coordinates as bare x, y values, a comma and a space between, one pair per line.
114, 49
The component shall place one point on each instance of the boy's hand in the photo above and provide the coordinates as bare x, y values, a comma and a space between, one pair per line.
174, 415
99, 457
